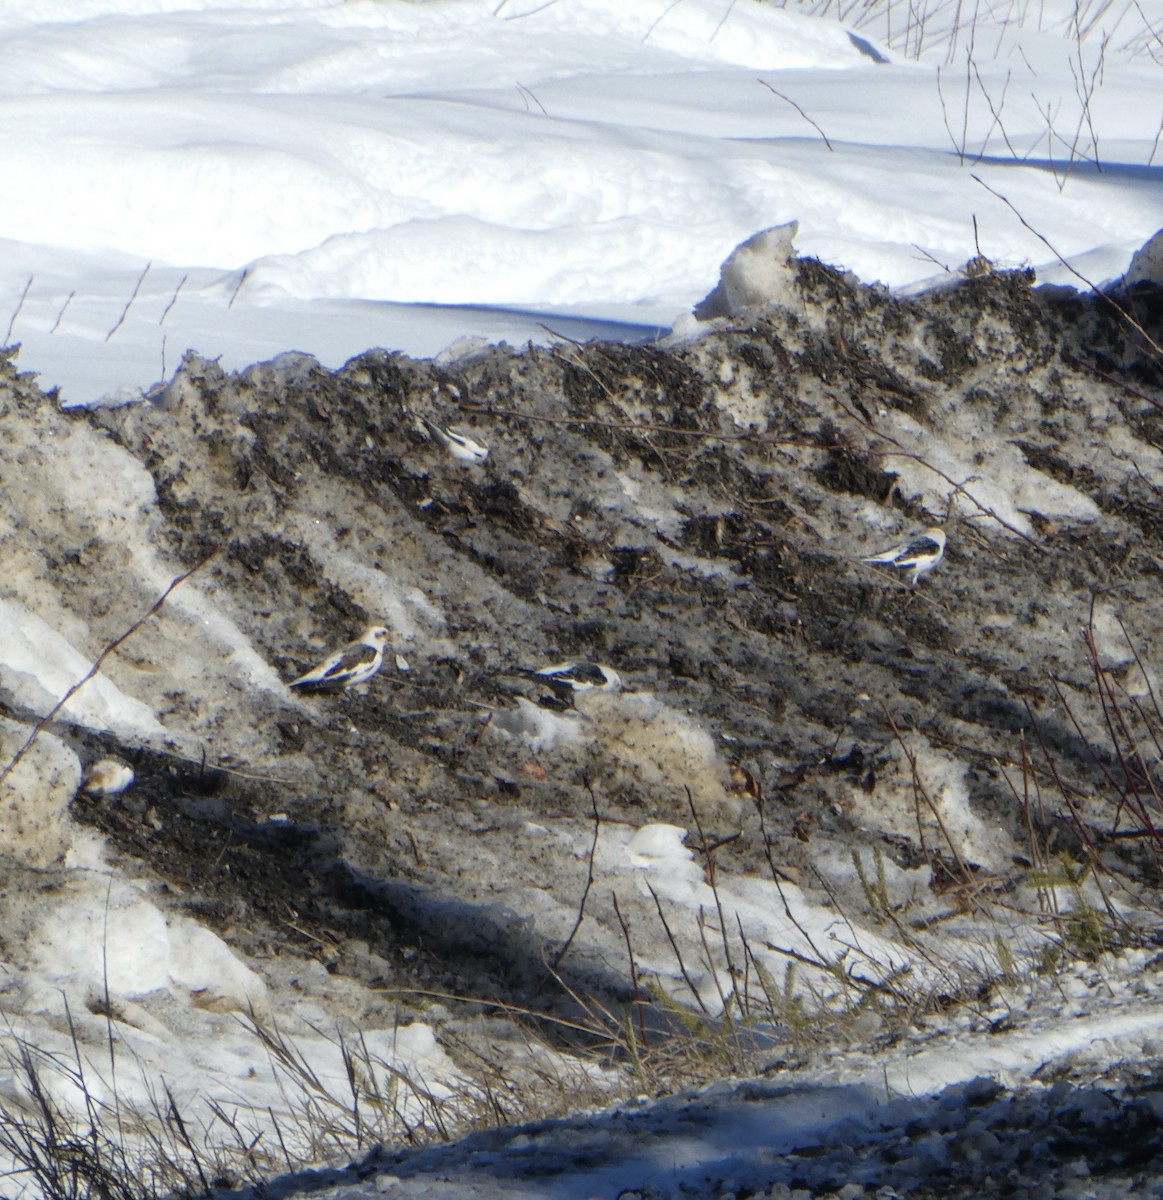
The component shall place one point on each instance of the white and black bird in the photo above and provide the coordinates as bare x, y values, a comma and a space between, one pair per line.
457, 443
567, 680
918, 553
357, 661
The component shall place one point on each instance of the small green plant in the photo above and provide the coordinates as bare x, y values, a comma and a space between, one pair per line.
876, 896
1010, 972
786, 1003
1083, 929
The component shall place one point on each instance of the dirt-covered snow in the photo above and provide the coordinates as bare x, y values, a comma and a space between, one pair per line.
818, 789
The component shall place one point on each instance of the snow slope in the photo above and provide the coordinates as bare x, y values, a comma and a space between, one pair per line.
243, 178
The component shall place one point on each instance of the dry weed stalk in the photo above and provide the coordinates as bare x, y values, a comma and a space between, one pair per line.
129, 303
788, 100
1122, 806
16, 312
581, 908
104, 1148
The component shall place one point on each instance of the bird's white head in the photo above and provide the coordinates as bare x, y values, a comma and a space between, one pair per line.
613, 679
376, 635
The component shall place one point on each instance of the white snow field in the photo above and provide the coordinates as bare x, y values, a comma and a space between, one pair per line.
244, 177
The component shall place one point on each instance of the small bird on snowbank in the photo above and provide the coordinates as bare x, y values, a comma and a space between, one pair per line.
357, 661
107, 777
567, 680
458, 444
918, 553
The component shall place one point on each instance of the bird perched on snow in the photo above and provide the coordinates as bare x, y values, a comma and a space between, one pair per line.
107, 777
458, 444
918, 553
567, 680
357, 661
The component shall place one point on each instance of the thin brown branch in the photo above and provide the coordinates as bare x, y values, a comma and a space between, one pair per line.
633, 969
173, 301
920, 792
712, 882
677, 952
1122, 312
581, 908
19, 306
48, 718
60, 315
789, 100
958, 488
129, 303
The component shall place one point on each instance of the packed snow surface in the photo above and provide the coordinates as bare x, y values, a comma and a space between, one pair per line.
246, 177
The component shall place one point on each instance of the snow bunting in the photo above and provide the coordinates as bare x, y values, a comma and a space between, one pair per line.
918, 553
108, 777
458, 444
357, 661
570, 678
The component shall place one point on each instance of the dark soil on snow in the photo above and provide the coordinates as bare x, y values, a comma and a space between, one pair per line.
692, 513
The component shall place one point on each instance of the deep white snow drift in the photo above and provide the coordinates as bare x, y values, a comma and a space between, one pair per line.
248, 177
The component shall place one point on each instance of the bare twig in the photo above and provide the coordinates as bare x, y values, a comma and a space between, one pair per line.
173, 300
945, 118
238, 288
920, 792
789, 100
660, 18
527, 95
1155, 143
935, 261
723, 20
677, 952
633, 969
712, 883
19, 306
995, 112
60, 316
532, 12
581, 908
129, 303
1122, 312
959, 488
47, 719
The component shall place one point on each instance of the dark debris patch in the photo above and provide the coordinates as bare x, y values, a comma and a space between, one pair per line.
848, 472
